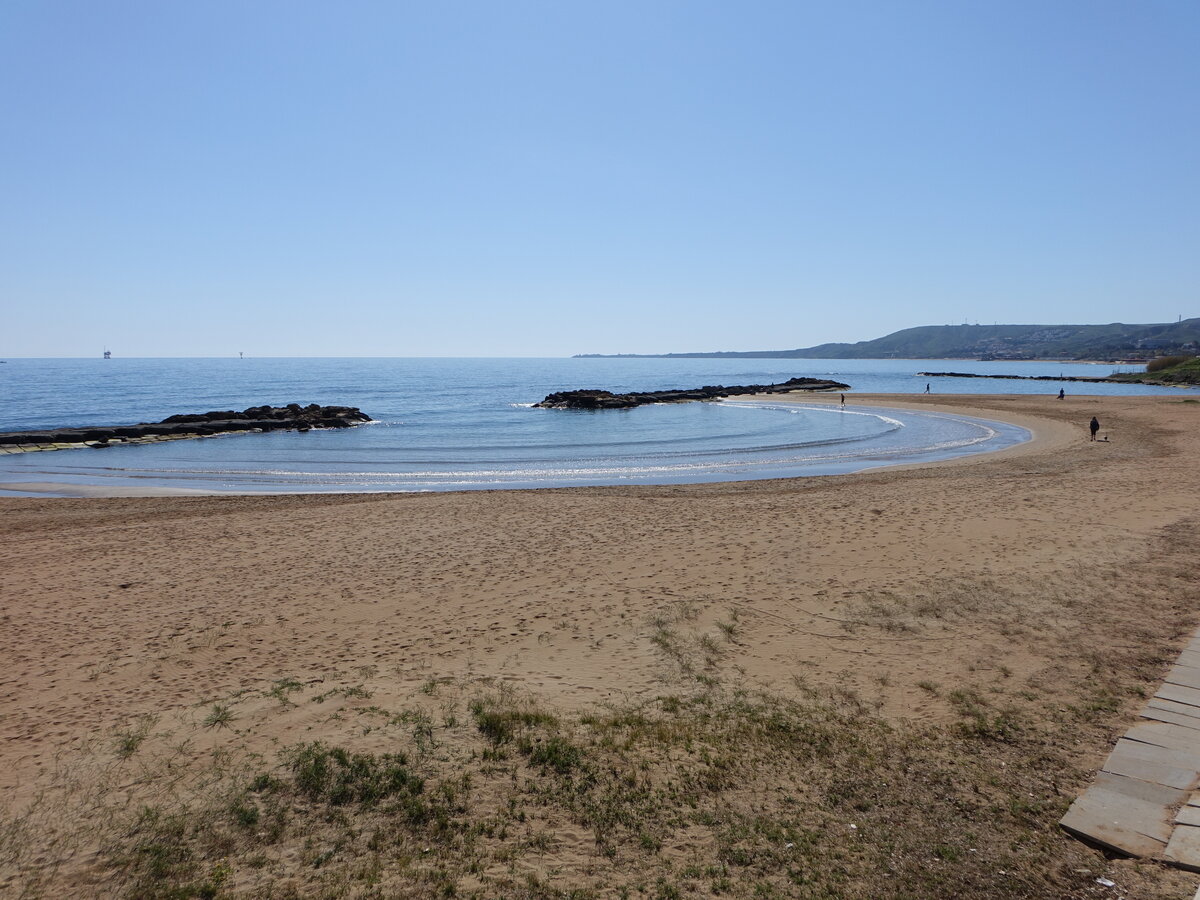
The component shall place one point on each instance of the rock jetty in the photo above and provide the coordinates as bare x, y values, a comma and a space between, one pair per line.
1086, 378
292, 417
595, 399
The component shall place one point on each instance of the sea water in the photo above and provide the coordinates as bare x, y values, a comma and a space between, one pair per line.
452, 424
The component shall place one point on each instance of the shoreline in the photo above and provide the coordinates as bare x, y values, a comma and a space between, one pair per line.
1046, 433
1049, 585
71, 490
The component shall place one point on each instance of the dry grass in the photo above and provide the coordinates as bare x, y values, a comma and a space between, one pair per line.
702, 793
710, 789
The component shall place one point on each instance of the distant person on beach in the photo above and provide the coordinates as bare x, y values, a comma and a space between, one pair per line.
843, 396
1061, 393
927, 388
1095, 426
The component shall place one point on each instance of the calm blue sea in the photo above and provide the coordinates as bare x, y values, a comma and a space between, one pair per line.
452, 424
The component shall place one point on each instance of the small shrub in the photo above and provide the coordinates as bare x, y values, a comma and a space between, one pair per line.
1165, 362
500, 725
282, 688
244, 814
128, 741
557, 754
334, 776
263, 783
220, 716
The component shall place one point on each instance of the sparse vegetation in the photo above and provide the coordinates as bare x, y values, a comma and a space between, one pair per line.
710, 790
220, 716
711, 787
752, 794
130, 739
1177, 369
282, 688
1165, 362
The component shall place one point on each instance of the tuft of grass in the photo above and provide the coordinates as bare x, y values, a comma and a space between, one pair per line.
500, 718
129, 740
336, 776
219, 717
981, 722
357, 691
282, 688
555, 753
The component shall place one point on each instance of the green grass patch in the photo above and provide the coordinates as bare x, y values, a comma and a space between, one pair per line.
336, 776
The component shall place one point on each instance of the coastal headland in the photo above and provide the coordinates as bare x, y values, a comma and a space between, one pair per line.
888, 684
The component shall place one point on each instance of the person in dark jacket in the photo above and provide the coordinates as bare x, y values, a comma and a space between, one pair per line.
1094, 426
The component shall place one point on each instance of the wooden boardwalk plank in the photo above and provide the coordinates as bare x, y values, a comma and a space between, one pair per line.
1125, 814
1183, 849
1173, 768
1106, 819
1162, 734
1188, 815
1179, 694
1144, 801
1183, 759
1141, 791
1174, 718
1188, 676
1183, 709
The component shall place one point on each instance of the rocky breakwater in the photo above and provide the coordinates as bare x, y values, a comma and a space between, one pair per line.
596, 399
1087, 378
292, 417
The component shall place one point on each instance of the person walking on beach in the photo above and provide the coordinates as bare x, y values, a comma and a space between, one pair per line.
1061, 393
927, 388
1094, 426
843, 396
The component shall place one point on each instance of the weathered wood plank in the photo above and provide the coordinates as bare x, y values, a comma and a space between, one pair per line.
1125, 814
1188, 676
1119, 823
1174, 718
1188, 815
1164, 735
1182, 709
1144, 801
1183, 849
1136, 789
1179, 694
1173, 768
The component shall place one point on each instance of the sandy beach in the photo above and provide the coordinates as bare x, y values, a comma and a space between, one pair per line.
1034, 580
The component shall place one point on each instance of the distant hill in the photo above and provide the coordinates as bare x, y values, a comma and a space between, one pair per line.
1115, 341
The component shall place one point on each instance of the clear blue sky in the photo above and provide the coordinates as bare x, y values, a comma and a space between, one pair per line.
545, 178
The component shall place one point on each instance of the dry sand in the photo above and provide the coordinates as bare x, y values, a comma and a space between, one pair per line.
893, 584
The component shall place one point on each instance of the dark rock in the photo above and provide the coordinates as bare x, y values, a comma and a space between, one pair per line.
256, 418
598, 399
1084, 378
